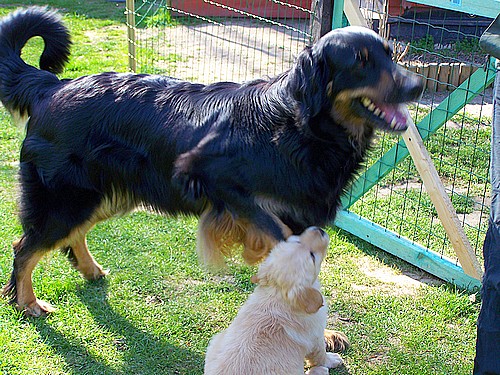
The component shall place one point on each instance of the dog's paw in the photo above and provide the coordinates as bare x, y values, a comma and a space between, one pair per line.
333, 360
37, 309
317, 370
335, 341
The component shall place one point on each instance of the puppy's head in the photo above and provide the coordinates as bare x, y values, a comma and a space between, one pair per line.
351, 75
293, 267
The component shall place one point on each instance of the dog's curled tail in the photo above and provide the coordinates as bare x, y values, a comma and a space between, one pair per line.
23, 24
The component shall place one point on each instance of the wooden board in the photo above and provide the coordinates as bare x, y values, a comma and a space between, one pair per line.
442, 202
405, 249
485, 8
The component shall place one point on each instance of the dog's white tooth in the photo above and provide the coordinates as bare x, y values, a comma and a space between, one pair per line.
394, 122
371, 107
377, 111
382, 115
366, 102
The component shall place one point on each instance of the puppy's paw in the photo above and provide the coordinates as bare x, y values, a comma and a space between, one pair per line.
317, 370
335, 341
333, 360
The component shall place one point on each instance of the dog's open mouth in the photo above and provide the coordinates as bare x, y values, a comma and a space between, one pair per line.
387, 116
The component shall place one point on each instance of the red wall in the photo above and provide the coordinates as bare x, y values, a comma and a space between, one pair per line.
262, 8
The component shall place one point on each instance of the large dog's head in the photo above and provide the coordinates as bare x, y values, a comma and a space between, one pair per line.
350, 75
293, 267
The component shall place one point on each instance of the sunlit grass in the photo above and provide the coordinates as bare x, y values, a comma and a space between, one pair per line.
158, 309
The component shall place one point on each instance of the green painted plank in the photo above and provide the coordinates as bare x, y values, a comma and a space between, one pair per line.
338, 14
449, 107
405, 249
485, 8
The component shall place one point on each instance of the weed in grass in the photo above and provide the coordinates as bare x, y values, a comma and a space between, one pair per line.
162, 18
425, 44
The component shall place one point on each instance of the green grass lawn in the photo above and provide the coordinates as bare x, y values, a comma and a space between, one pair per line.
157, 310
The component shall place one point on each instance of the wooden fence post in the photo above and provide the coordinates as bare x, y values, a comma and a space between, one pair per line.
321, 18
132, 58
441, 200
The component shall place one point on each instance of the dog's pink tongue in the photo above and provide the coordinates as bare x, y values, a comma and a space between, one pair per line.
395, 115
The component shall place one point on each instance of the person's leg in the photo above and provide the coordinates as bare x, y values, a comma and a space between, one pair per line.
487, 361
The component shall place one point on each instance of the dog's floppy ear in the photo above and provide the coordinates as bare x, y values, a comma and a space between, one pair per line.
307, 299
307, 83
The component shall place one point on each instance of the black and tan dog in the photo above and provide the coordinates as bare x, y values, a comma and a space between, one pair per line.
256, 161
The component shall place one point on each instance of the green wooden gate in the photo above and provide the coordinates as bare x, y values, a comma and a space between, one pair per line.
380, 236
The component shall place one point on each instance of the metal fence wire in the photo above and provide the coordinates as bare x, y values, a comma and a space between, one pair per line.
207, 41
441, 46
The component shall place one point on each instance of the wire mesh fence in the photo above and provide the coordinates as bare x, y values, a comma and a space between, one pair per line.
441, 46
207, 41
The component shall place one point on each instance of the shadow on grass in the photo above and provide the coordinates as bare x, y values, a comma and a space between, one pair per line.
142, 352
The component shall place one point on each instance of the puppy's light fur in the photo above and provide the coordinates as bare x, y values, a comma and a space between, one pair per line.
282, 322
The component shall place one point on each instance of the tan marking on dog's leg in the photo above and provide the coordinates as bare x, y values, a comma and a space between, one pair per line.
207, 244
85, 262
335, 341
26, 299
218, 236
257, 244
317, 357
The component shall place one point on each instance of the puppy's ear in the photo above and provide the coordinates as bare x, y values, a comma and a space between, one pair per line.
308, 299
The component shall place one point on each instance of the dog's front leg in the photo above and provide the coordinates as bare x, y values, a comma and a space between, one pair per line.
332, 360
317, 370
319, 358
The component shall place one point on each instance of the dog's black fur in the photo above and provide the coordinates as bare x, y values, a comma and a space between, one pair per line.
273, 156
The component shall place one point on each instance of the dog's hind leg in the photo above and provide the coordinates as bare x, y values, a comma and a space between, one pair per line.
20, 286
81, 258
51, 217
75, 245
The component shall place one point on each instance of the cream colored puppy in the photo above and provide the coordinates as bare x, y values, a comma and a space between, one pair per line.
283, 320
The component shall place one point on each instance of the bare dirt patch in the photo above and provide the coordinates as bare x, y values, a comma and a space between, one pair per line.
391, 281
239, 50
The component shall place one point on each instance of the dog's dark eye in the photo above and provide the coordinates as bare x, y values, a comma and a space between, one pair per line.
313, 257
360, 69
